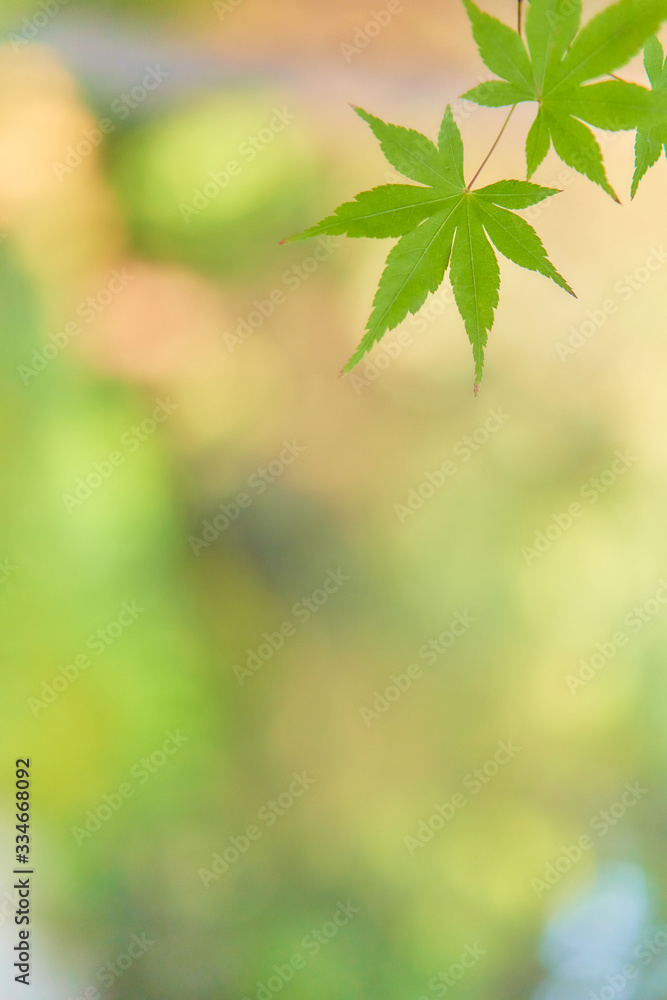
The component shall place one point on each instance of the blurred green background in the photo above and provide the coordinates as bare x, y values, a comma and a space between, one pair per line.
132, 285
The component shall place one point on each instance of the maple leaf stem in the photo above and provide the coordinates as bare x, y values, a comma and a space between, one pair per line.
518, 17
488, 155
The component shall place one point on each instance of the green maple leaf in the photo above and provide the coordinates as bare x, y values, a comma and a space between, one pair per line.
651, 141
440, 224
559, 59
